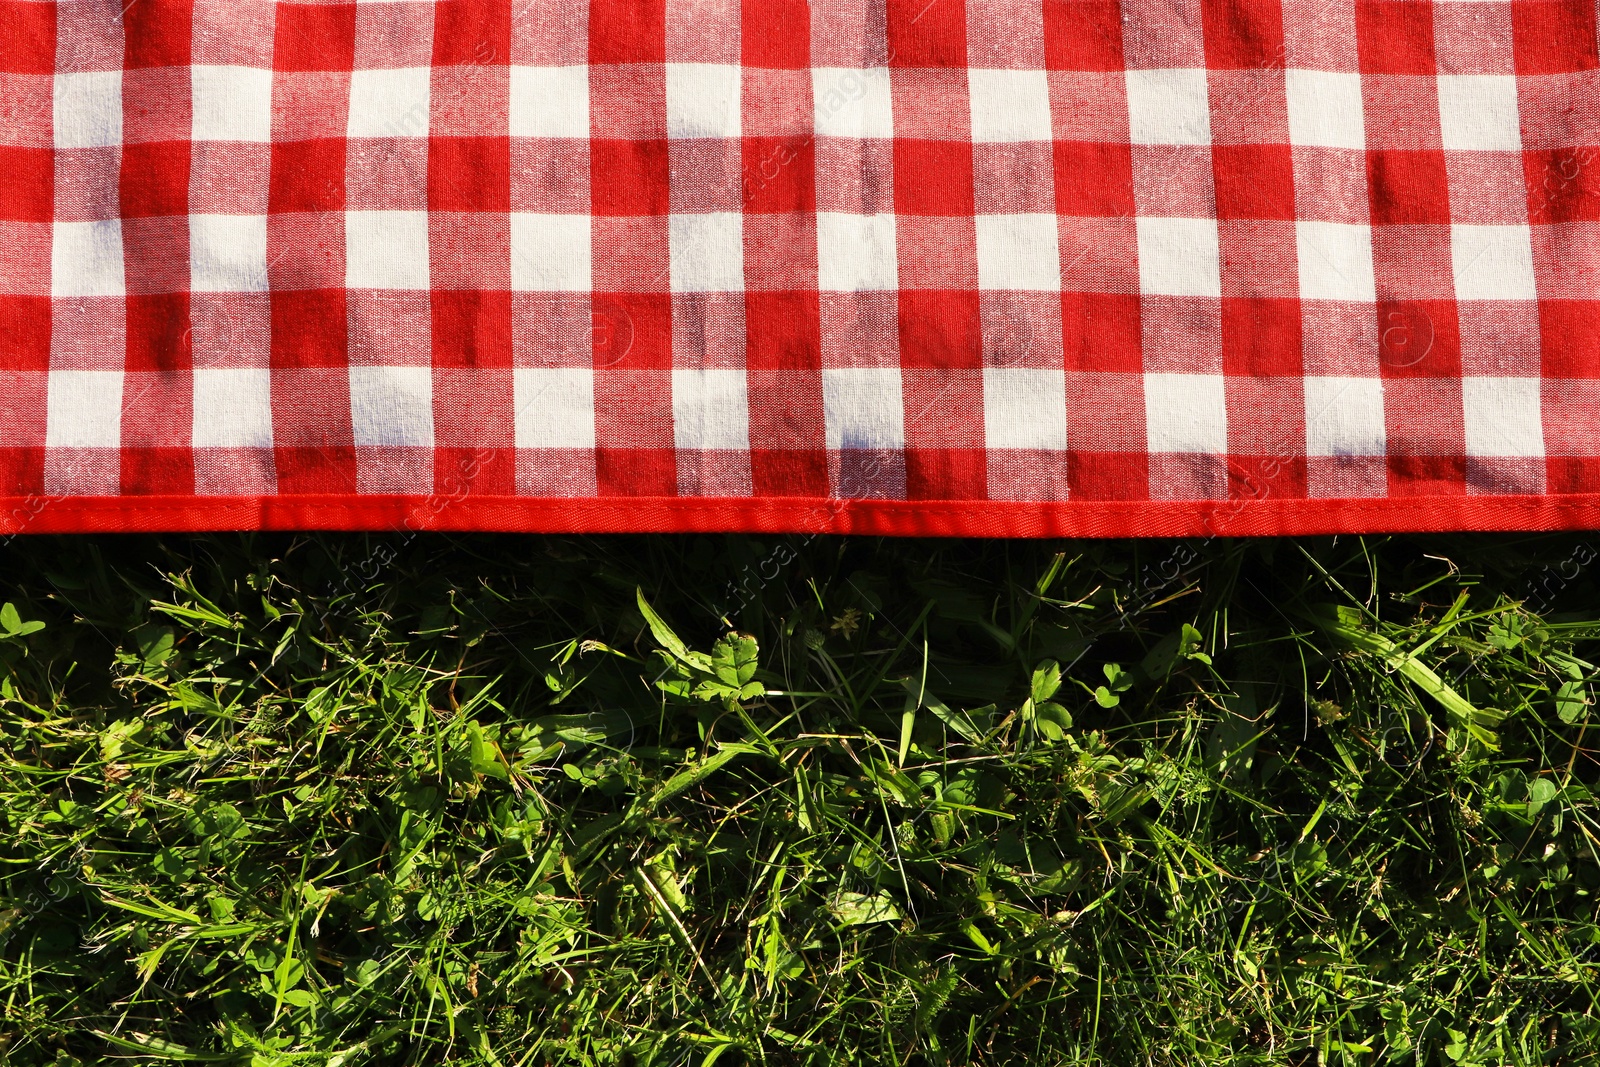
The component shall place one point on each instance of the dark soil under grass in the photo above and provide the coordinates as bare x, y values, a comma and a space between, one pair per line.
352, 800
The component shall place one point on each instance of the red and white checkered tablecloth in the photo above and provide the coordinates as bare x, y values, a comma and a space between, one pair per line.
908, 266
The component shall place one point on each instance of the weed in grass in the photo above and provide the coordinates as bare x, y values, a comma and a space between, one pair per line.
519, 801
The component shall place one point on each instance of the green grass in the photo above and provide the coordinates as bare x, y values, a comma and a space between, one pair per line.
415, 800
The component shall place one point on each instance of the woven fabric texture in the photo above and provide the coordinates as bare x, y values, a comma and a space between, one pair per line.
1013, 266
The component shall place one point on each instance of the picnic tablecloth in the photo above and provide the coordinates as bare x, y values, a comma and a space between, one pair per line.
1014, 267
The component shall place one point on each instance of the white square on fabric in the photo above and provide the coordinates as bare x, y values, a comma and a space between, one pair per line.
850, 102
231, 104
1186, 413
88, 109
856, 253
706, 252
389, 103
1502, 416
550, 253
1179, 257
863, 408
1024, 407
554, 407
710, 409
703, 100
392, 406
1493, 262
228, 253
1335, 261
1344, 416
550, 102
1478, 113
386, 249
1019, 252
233, 408
1325, 109
1169, 106
86, 259
84, 409
1009, 106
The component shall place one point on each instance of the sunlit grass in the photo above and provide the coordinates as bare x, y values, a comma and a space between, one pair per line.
524, 801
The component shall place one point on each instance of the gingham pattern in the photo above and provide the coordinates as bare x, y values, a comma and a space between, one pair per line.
961, 250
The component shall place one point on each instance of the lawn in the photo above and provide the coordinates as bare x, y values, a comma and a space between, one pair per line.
347, 800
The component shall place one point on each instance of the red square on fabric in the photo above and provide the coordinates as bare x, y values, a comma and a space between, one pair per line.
1419, 339
923, 34
783, 331
1395, 38
459, 473
940, 329
1243, 34
779, 174
314, 37
947, 474
1102, 332
1572, 474
644, 320
309, 328
327, 468
1268, 477
27, 37
158, 332
789, 472
469, 174
1408, 187
472, 32
1094, 179
307, 176
25, 325
23, 471
1553, 196
28, 192
158, 471
157, 33
636, 472
1253, 181
627, 31
629, 177
1108, 475
933, 178
1261, 337
471, 328
1554, 36
155, 179
776, 34
1569, 338
1083, 35
1427, 475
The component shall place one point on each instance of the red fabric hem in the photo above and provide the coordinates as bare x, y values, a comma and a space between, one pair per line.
923, 518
